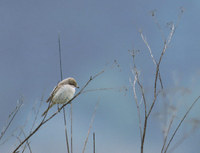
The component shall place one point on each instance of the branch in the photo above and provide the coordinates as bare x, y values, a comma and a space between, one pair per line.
157, 75
28, 144
142, 134
71, 128
166, 43
137, 105
12, 116
151, 54
93, 142
61, 78
186, 114
45, 121
167, 134
91, 123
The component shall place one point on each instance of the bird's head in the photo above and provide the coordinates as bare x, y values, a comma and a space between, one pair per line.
71, 81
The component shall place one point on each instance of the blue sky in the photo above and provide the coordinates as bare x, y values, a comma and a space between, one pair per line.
93, 35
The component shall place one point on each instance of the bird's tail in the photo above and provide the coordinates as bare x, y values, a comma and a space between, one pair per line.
45, 112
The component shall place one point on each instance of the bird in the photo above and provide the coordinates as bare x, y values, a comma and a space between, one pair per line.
62, 93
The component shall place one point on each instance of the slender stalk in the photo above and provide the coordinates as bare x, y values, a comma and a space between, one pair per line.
71, 128
60, 57
91, 123
137, 105
53, 115
166, 135
93, 142
61, 77
13, 114
180, 123
157, 76
31, 134
66, 135
28, 144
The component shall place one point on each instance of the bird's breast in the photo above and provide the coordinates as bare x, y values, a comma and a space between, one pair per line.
64, 94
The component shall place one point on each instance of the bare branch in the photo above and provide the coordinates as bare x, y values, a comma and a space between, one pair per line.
37, 112
180, 123
61, 78
137, 104
93, 142
12, 116
151, 54
60, 57
166, 43
28, 144
135, 72
66, 135
122, 88
45, 121
195, 123
91, 123
149, 48
71, 128
167, 133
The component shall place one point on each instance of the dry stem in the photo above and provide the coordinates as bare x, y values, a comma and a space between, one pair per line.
157, 75
11, 117
180, 123
53, 115
91, 123
93, 142
71, 128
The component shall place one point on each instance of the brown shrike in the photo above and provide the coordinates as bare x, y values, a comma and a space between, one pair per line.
62, 93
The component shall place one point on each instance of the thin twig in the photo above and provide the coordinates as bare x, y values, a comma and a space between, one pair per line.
155, 82
37, 112
98, 89
137, 105
151, 54
60, 57
13, 114
71, 128
144, 100
179, 142
166, 43
140, 85
143, 95
153, 14
32, 133
61, 77
167, 133
53, 115
80, 92
66, 135
186, 135
18, 138
28, 144
157, 75
145, 107
148, 46
119, 89
182, 9
91, 123
93, 142
180, 123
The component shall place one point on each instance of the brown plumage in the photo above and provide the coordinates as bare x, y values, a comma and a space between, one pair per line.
62, 93
70, 81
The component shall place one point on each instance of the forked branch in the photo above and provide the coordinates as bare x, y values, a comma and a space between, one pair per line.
44, 120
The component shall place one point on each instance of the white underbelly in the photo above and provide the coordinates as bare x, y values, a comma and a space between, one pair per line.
64, 94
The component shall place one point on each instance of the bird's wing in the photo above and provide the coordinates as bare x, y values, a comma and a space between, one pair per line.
53, 93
